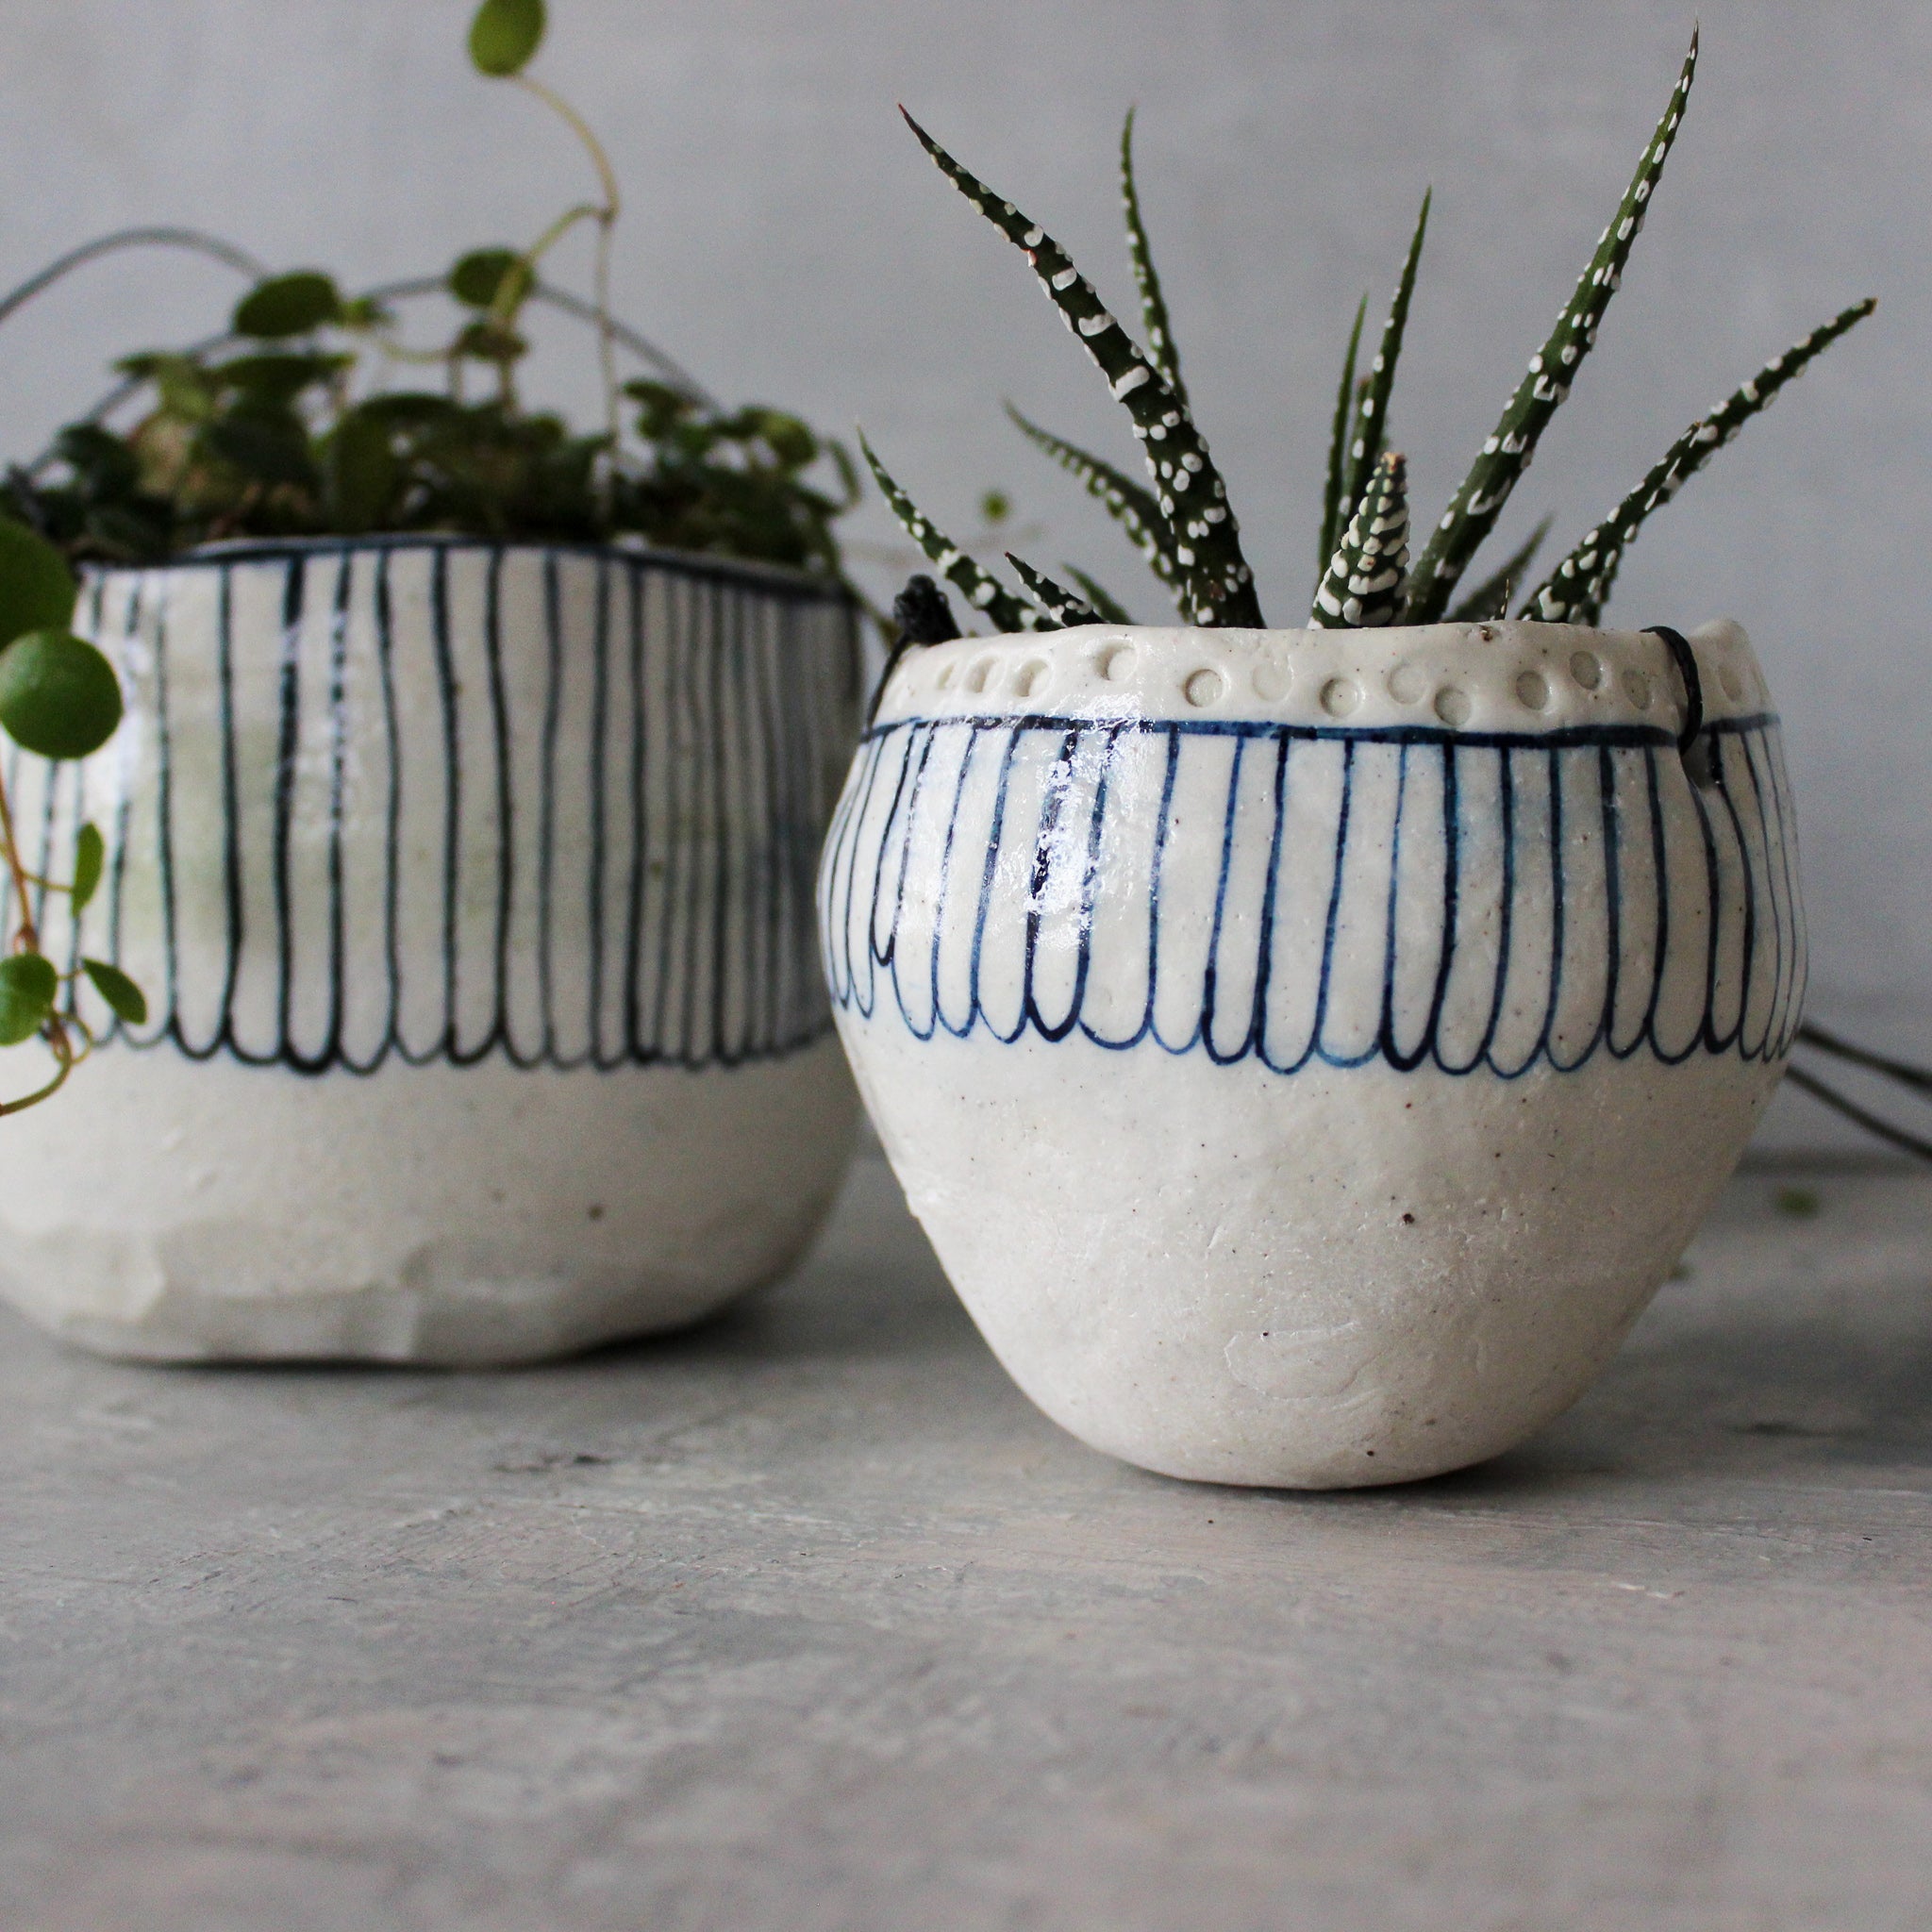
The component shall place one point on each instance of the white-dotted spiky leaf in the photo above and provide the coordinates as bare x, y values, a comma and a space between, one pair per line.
1216, 585
1362, 587
1131, 506
1335, 489
1575, 590
980, 587
1372, 412
1479, 499
1161, 349
1059, 606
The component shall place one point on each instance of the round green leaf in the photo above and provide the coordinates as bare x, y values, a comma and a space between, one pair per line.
37, 590
27, 986
489, 340
58, 696
128, 1002
89, 857
289, 305
477, 277
788, 439
504, 35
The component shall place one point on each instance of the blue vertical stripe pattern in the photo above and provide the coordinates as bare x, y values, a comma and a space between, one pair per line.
1287, 894
439, 800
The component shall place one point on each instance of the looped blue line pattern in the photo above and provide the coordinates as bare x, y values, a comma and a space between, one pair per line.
1297, 894
415, 800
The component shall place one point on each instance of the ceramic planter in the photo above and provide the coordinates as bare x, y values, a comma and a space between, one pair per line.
469, 886
1309, 1051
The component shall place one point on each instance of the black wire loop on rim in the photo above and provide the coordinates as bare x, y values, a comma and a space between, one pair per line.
1686, 660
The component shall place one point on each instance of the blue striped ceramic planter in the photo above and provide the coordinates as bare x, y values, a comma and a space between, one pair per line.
1309, 1051
469, 886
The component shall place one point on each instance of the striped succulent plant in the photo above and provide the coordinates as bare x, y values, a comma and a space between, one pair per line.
1182, 522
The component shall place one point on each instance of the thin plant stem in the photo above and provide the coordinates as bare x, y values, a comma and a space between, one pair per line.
509, 295
27, 939
64, 1056
606, 218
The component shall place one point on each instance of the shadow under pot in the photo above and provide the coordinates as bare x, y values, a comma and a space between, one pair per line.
469, 886
1309, 1051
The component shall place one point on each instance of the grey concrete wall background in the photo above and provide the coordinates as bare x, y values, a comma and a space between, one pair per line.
787, 241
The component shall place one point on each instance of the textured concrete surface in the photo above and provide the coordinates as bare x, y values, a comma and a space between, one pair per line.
807, 1621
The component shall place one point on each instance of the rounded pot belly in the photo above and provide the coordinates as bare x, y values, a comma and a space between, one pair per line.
1298, 1085
1357, 1276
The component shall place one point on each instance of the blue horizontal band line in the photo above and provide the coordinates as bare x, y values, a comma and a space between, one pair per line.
1562, 738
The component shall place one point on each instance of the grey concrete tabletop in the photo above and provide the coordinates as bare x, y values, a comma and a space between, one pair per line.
806, 1619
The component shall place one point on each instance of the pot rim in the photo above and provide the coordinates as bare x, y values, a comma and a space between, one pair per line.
799, 583
1513, 677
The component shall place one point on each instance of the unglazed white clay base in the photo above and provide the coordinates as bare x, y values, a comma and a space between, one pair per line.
1309, 1051
471, 1215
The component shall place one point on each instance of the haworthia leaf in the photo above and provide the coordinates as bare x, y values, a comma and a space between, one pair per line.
1505, 456
1575, 590
1362, 586
1062, 608
1490, 598
1161, 348
1133, 508
1372, 412
1334, 515
89, 857
982, 589
1109, 606
126, 1000
1216, 585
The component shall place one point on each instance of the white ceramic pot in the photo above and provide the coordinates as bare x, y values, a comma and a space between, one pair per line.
1309, 1051
470, 889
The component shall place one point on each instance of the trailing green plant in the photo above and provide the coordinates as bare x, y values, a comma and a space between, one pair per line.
293, 421
59, 699
1185, 529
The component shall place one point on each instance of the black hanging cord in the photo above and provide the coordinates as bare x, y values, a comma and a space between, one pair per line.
1916, 1080
1901, 1070
923, 617
1686, 660
1912, 1143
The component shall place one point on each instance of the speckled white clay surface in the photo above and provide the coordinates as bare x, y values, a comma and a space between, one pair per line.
469, 886
1322, 1173
472, 1216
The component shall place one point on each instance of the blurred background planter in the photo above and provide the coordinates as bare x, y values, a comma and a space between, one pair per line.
471, 888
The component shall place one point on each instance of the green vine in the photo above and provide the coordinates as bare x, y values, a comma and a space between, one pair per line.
315, 414
59, 699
